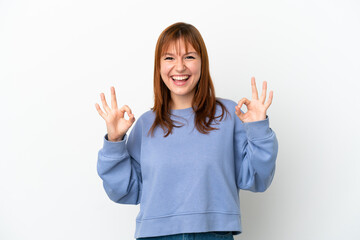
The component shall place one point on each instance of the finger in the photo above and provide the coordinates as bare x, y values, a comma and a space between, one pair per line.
238, 107
263, 93
269, 101
244, 101
102, 114
254, 89
113, 98
105, 106
238, 112
126, 109
132, 118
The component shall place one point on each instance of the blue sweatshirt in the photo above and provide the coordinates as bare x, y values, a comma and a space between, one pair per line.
188, 182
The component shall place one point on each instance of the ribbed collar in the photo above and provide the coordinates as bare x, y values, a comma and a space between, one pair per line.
182, 112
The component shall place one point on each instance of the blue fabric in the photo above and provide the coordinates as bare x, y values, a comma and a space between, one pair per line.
194, 236
188, 182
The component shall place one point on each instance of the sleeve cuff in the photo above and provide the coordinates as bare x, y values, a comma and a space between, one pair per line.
258, 129
114, 149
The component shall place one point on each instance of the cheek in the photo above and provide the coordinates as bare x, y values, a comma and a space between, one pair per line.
164, 70
196, 68
198, 71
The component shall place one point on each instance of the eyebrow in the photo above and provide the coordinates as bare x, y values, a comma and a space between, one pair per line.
184, 54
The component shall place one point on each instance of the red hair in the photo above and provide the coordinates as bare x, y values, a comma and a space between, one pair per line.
204, 101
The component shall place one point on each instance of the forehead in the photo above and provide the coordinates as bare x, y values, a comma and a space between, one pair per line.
179, 46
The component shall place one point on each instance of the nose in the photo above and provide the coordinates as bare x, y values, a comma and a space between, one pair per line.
180, 66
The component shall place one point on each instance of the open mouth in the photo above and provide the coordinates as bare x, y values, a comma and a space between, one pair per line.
180, 78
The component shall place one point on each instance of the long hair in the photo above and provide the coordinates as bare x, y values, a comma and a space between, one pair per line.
204, 101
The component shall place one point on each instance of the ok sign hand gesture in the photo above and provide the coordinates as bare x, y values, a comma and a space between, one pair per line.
256, 108
116, 123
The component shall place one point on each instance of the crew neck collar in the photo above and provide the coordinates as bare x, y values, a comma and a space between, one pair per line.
182, 112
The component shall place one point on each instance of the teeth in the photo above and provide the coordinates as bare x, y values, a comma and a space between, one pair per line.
180, 78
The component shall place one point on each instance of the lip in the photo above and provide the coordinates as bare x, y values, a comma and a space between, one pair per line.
180, 82
182, 75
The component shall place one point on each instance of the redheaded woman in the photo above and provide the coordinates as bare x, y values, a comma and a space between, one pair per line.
185, 160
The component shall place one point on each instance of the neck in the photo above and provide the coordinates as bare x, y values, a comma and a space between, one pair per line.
181, 102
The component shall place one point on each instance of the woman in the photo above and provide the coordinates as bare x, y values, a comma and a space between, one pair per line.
186, 158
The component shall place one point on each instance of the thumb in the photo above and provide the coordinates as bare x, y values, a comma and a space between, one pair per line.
132, 117
238, 112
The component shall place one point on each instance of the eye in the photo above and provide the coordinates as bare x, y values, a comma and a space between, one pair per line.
190, 57
168, 58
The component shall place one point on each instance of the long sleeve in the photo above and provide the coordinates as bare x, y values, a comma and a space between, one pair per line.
256, 149
119, 167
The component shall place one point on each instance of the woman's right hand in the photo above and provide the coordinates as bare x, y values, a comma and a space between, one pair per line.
116, 124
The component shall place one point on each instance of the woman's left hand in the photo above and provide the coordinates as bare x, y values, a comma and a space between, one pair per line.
256, 108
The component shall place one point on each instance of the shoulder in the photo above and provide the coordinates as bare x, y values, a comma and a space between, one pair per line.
229, 106
146, 118
228, 103
143, 122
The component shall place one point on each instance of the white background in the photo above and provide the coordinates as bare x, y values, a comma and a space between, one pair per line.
56, 57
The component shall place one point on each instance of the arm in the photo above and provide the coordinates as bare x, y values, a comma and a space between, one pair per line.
256, 149
119, 168
256, 145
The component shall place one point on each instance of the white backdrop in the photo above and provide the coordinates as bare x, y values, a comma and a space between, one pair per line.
56, 57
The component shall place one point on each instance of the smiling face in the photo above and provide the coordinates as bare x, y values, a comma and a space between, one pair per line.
180, 71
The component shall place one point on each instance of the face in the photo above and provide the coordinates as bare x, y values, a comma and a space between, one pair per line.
180, 70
